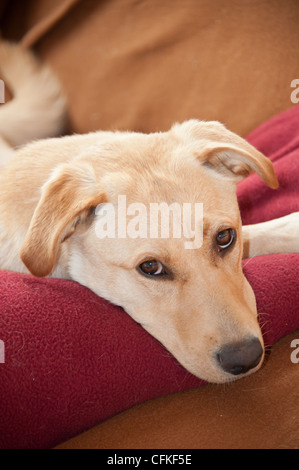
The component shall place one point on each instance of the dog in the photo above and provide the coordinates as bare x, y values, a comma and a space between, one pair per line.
196, 302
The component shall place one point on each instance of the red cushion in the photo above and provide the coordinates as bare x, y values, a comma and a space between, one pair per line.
278, 139
73, 360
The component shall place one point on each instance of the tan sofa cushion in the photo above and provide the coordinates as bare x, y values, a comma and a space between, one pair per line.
260, 411
144, 65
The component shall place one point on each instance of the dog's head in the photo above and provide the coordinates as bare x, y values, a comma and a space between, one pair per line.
178, 273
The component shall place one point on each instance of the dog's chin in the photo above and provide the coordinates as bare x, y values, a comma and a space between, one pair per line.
232, 378
218, 377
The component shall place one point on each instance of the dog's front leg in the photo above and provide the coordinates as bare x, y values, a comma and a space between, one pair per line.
275, 236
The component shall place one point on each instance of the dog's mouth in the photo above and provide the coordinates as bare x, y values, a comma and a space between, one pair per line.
216, 374
228, 363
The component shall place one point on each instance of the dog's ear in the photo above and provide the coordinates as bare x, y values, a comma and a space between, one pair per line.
67, 199
239, 160
229, 154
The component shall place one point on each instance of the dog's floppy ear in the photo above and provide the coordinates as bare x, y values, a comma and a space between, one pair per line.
229, 154
238, 161
66, 200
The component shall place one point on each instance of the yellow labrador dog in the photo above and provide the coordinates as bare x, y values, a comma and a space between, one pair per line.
53, 198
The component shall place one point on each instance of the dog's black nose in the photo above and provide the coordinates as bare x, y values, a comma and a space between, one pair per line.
238, 358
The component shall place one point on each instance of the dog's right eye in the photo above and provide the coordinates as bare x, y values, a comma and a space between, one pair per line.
152, 268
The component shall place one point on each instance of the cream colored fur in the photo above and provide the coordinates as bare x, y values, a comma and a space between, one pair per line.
50, 189
38, 109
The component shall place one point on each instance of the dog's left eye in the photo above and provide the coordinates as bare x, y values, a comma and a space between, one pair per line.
152, 267
225, 238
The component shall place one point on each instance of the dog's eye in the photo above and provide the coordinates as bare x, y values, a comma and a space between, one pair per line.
225, 238
152, 267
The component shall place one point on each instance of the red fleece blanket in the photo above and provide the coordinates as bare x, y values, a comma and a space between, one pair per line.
73, 360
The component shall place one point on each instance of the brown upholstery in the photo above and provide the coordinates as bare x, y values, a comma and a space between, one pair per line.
259, 411
141, 65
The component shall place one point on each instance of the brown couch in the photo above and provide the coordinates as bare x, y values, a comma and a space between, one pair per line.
142, 65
